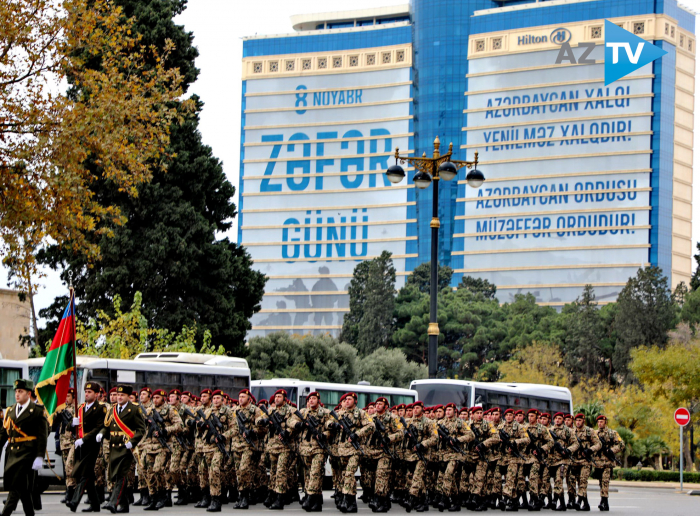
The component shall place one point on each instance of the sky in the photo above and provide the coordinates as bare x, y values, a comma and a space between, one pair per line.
219, 27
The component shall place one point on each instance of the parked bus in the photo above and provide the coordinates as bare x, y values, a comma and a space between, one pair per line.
298, 391
185, 371
545, 398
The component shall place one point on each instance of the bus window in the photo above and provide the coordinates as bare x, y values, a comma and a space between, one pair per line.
497, 399
7, 386
443, 393
560, 406
480, 397
330, 398
396, 399
266, 392
518, 401
540, 404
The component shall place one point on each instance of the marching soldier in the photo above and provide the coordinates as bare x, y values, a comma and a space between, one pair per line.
126, 428
541, 443
564, 446
67, 445
189, 480
104, 457
144, 399
487, 437
452, 434
156, 448
312, 450
26, 430
581, 462
387, 430
422, 429
244, 445
91, 421
513, 438
604, 460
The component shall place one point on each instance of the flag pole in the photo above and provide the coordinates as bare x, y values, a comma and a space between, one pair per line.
75, 360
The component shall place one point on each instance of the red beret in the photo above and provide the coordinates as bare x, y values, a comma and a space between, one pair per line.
176, 392
206, 391
568, 416
533, 411
187, 393
351, 395
245, 391
383, 400
451, 405
509, 411
113, 389
293, 404
217, 392
476, 408
580, 416
401, 406
235, 402
272, 399
546, 414
371, 404
314, 393
71, 390
496, 409
438, 407
252, 398
519, 411
558, 414
145, 389
160, 392
419, 404
464, 409
263, 402
604, 418
281, 391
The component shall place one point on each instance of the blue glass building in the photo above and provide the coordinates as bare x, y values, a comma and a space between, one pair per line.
585, 182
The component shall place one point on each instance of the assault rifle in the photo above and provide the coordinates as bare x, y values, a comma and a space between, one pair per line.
585, 452
312, 430
213, 428
561, 450
154, 426
537, 451
346, 425
477, 441
276, 425
411, 434
448, 440
506, 444
241, 420
609, 454
383, 438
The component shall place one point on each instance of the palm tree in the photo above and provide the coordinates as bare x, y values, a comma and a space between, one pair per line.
628, 438
654, 447
591, 410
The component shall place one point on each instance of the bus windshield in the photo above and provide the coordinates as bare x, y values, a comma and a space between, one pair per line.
7, 385
441, 394
266, 392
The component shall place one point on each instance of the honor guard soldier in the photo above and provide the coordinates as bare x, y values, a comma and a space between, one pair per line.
604, 460
564, 446
66, 441
26, 430
246, 451
126, 428
91, 421
513, 439
387, 430
581, 463
313, 449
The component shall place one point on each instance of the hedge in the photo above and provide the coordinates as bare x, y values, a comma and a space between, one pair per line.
646, 475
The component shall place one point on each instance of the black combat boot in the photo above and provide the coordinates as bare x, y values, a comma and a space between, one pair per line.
442, 502
572, 501
350, 504
66, 496
162, 500
269, 499
552, 502
480, 504
455, 504
373, 502
215, 505
305, 501
561, 503
154, 502
512, 504
604, 503
412, 503
583, 504
204, 502
277, 503
316, 504
144, 498
182, 496
233, 495
500, 503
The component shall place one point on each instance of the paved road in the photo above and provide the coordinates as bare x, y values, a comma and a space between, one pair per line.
627, 501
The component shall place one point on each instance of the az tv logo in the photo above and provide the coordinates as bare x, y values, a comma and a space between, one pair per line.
625, 52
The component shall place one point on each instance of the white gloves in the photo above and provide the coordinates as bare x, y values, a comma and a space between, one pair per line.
38, 463
78, 443
128, 445
99, 437
76, 421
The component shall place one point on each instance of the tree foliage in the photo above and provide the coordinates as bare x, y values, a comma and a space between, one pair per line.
420, 276
478, 286
389, 368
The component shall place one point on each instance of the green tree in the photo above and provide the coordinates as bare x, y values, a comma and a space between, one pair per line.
421, 277
695, 279
690, 312
368, 324
478, 286
168, 249
591, 410
584, 333
645, 313
321, 358
389, 367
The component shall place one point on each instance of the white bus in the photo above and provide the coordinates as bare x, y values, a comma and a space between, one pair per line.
185, 371
298, 390
545, 398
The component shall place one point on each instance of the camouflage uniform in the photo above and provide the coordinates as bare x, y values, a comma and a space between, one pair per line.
580, 468
199, 462
509, 463
212, 465
559, 464
488, 437
140, 467
601, 462
425, 430
348, 457
532, 466
394, 432
280, 453
156, 456
246, 457
311, 453
67, 442
461, 433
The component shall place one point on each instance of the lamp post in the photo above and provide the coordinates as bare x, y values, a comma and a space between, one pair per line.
432, 170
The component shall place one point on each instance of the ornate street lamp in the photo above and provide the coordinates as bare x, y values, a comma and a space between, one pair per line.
432, 170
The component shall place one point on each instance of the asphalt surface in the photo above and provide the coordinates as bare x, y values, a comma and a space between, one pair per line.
627, 500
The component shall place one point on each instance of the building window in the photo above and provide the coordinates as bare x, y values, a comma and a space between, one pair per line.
386, 57
638, 27
337, 62
480, 45
400, 56
371, 59
257, 67
596, 32
354, 60
323, 62
306, 64
289, 66
682, 40
666, 29
690, 44
497, 43
673, 32
274, 66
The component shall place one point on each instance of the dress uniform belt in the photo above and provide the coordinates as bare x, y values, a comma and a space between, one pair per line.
22, 439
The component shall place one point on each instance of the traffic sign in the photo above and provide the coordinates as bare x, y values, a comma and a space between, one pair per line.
682, 416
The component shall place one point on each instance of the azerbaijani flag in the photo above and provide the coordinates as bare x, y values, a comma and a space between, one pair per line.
54, 380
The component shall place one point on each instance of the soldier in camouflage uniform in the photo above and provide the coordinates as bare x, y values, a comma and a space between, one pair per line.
67, 444
349, 460
424, 432
545, 484
312, 453
199, 444
189, 467
212, 458
368, 462
383, 441
144, 398
510, 462
540, 442
156, 457
564, 446
580, 468
279, 449
486, 437
610, 440
175, 470
245, 446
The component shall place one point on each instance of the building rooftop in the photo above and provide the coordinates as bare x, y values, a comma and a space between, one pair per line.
347, 19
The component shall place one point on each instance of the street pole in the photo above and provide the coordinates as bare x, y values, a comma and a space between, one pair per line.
681, 458
433, 329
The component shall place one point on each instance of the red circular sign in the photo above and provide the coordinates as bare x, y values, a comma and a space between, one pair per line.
682, 416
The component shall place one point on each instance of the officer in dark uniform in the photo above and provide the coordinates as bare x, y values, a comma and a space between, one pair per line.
126, 428
91, 421
26, 429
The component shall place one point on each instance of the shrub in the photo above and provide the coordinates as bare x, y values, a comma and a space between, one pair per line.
654, 476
